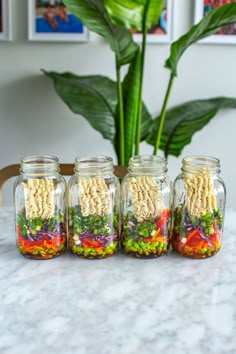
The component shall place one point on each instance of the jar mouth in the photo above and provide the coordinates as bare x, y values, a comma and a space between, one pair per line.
147, 164
39, 164
92, 163
196, 162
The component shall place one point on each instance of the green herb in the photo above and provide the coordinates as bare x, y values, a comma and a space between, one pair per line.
100, 225
145, 229
36, 224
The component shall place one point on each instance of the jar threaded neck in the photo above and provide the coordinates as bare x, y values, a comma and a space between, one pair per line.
192, 164
147, 164
40, 165
92, 165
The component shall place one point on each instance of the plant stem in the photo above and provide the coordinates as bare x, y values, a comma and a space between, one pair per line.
163, 115
121, 117
140, 101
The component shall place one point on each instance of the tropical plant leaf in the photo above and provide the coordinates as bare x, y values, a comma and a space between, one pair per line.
93, 14
207, 26
93, 97
130, 92
183, 121
131, 13
146, 124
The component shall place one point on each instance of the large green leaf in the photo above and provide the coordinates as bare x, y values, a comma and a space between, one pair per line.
130, 92
94, 16
183, 121
207, 26
93, 97
131, 104
135, 13
146, 123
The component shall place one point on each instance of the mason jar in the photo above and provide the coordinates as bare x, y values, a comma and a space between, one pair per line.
93, 198
146, 205
199, 206
40, 210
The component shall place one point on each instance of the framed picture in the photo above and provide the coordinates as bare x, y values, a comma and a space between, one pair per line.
49, 20
226, 34
5, 25
162, 31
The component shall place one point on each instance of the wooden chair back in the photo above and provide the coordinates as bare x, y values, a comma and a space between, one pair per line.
67, 169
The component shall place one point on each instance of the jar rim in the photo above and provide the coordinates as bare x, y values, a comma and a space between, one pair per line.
93, 159
147, 164
147, 159
39, 164
199, 162
39, 159
88, 163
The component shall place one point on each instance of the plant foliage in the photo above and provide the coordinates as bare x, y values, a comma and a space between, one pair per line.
116, 108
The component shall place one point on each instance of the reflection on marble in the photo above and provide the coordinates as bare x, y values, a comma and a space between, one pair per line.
118, 305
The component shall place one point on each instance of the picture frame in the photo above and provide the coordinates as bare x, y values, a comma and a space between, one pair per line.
5, 20
226, 35
163, 31
49, 20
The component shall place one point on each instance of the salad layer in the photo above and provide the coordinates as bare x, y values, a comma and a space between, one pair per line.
92, 236
197, 237
146, 239
39, 238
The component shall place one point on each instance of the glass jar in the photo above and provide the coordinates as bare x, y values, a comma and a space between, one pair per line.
94, 193
40, 212
199, 205
146, 204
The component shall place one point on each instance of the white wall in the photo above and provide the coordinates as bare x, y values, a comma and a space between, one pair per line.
33, 120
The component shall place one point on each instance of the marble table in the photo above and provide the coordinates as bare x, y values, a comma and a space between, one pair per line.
118, 305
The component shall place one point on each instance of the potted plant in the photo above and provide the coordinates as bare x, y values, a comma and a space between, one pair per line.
116, 109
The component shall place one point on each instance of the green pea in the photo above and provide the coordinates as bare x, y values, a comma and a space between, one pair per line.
211, 230
61, 247
113, 245
133, 248
165, 246
129, 243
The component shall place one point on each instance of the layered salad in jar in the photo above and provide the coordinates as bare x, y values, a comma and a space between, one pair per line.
40, 224
145, 224
93, 223
197, 222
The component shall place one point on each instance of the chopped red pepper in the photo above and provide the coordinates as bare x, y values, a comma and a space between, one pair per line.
162, 222
165, 214
147, 239
216, 239
91, 243
195, 240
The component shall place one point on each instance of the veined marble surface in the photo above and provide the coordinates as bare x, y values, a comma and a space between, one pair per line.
118, 305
